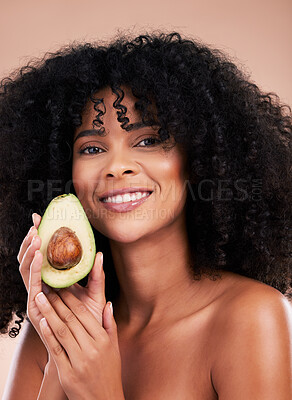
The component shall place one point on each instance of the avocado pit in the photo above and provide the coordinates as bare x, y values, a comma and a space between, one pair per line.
64, 249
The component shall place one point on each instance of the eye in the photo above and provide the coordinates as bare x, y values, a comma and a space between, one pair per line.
151, 141
90, 150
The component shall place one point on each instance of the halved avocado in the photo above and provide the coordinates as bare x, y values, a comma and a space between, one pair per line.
68, 245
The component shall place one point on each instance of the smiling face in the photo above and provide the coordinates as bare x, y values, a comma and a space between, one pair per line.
119, 159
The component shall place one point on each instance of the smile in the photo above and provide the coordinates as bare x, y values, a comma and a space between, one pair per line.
127, 197
125, 202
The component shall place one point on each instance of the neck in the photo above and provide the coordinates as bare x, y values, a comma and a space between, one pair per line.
154, 276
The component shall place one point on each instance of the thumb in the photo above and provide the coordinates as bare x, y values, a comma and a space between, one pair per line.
110, 325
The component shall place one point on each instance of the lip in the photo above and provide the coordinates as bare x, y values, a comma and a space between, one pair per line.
125, 207
112, 193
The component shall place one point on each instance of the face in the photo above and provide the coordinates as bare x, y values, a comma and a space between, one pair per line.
133, 160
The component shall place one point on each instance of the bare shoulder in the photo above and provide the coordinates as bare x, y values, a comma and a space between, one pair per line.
31, 352
245, 299
27, 367
246, 303
33, 344
253, 325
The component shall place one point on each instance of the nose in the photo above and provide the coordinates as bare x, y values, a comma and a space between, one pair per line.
119, 166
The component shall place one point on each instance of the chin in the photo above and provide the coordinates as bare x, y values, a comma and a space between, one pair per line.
125, 232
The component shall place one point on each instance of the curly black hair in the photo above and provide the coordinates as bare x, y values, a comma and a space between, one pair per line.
237, 138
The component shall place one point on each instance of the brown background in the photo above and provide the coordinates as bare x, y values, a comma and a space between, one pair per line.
255, 33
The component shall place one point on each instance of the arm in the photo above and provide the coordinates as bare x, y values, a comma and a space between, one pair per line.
254, 355
26, 375
51, 388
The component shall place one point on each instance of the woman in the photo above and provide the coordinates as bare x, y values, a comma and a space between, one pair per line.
197, 264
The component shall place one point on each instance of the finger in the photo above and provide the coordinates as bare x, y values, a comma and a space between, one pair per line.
35, 281
25, 243
55, 349
27, 258
96, 281
30, 235
34, 288
69, 316
110, 325
36, 218
90, 323
59, 328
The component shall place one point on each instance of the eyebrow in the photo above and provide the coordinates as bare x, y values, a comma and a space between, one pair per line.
90, 132
102, 132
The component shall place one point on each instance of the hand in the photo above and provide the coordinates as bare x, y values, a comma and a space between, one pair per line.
92, 295
30, 244
86, 354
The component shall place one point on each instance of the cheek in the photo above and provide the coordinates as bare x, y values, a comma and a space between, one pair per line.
173, 164
77, 175
82, 180
174, 176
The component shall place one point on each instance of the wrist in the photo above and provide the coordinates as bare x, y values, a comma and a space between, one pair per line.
51, 387
51, 369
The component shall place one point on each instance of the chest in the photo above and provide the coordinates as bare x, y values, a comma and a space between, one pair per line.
171, 365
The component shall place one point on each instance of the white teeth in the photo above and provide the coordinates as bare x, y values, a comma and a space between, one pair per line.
125, 198
133, 197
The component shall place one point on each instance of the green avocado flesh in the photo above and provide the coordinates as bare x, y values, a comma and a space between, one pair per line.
65, 212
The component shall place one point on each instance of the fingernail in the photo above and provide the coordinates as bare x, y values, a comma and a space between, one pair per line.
44, 323
33, 216
101, 259
41, 298
37, 253
111, 307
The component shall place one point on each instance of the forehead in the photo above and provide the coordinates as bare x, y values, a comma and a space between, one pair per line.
108, 102
117, 105
109, 106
